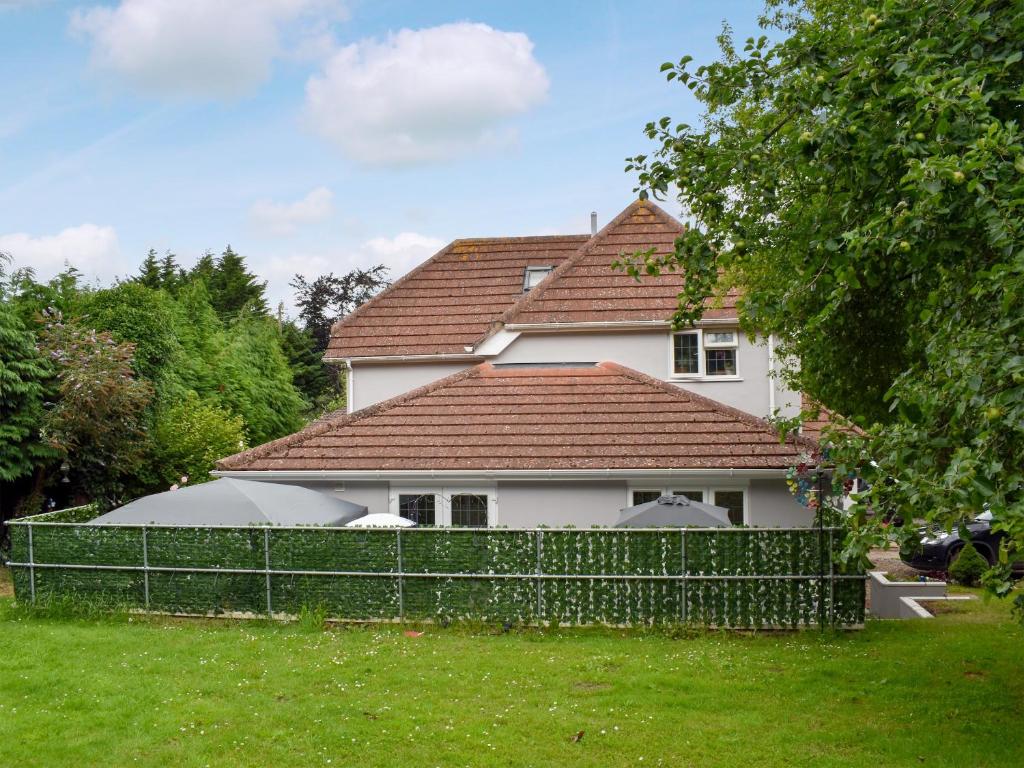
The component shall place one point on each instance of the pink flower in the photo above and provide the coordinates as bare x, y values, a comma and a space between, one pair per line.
174, 487
184, 479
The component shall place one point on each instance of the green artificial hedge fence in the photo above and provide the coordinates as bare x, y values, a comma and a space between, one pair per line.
742, 578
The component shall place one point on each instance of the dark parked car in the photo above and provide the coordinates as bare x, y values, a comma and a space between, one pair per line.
939, 549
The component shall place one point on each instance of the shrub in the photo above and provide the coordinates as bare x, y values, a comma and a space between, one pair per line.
968, 566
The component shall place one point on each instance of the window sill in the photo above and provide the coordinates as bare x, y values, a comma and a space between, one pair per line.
681, 378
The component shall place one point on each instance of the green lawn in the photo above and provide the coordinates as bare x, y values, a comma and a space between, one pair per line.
123, 691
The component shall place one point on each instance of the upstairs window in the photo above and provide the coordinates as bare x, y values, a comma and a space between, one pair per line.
686, 353
720, 353
533, 276
703, 353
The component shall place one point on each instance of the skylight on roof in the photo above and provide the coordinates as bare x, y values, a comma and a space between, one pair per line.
533, 275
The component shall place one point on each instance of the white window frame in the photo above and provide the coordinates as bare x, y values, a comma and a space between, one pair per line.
702, 486
443, 500
702, 346
545, 269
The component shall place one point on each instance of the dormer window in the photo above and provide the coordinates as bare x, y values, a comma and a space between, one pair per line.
533, 276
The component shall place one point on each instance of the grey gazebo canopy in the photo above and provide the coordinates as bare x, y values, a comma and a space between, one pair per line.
236, 502
673, 512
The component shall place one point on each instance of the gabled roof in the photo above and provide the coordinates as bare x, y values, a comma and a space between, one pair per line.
585, 288
462, 294
487, 417
449, 301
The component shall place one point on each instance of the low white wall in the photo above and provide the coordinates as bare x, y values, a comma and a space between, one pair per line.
888, 598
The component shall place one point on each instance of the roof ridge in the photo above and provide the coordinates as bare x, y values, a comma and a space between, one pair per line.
686, 394
519, 238
539, 290
328, 422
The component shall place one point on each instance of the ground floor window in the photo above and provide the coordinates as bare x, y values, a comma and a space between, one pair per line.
733, 501
469, 509
643, 496
418, 507
458, 507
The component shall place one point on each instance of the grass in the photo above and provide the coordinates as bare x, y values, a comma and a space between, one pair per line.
156, 691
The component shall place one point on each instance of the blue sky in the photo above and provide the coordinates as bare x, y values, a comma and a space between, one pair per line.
315, 135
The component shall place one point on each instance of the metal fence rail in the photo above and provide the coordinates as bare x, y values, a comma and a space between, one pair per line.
713, 583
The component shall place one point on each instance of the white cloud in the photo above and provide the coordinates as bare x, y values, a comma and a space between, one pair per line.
285, 218
218, 49
93, 249
399, 254
424, 95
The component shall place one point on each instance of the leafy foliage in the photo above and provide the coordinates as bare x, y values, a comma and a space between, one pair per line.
861, 182
256, 382
191, 435
98, 418
23, 378
233, 287
328, 298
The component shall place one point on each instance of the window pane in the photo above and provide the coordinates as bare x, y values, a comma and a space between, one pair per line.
719, 337
469, 509
733, 501
534, 275
691, 495
686, 353
642, 497
720, 362
417, 507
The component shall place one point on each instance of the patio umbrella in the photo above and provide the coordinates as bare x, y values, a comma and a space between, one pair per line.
229, 501
673, 512
381, 520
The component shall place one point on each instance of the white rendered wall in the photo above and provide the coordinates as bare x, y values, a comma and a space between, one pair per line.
373, 383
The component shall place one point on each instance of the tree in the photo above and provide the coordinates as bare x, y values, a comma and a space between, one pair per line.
256, 382
97, 421
149, 271
145, 317
23, 378
317, 382
233, 287
191, 435
171, 275
328, 298
861, 182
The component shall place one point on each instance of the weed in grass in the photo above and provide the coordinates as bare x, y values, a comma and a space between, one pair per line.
312, 618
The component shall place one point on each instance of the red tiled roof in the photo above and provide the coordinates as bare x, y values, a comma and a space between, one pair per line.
449, 301
457, 297
586, 289
812, 428
518, 418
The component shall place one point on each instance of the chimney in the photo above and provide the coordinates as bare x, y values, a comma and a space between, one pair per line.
593, 223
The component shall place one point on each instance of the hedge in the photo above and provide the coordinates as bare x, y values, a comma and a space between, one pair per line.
741, 578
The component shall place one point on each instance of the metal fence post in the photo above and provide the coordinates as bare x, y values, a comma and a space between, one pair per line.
401, 594
831, 583
145, 566
31, 566
682, 550
540, 548
266, 563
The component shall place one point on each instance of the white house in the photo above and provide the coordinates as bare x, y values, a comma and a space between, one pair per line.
521, 382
